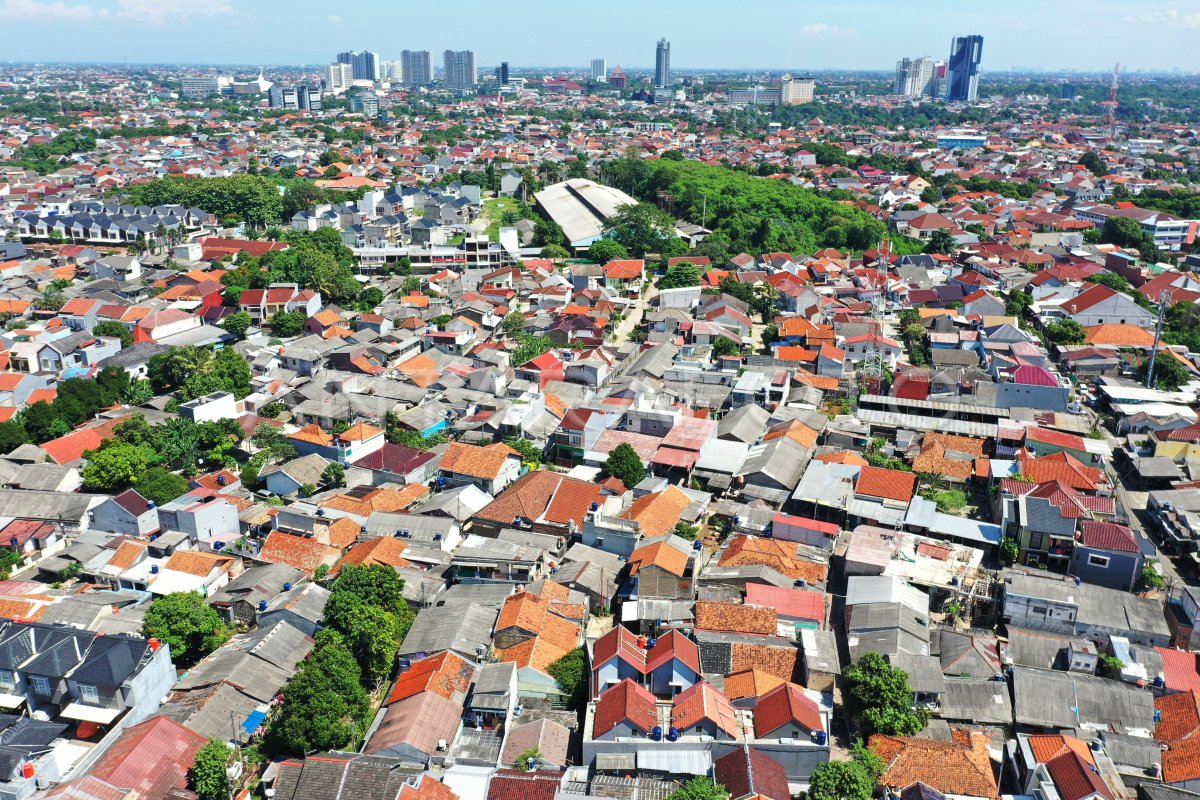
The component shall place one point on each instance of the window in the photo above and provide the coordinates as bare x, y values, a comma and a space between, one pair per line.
88, 694
7, 679
40, 685
1038, 609
1097, 561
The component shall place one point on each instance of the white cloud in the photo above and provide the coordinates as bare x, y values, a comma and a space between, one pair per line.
823, 29
336, 21
35, 11
1167, 18
160, 12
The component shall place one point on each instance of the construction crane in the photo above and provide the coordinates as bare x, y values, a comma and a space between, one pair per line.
1111, 102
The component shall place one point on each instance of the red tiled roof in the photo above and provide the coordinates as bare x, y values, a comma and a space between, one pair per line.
511, 784
446, 674
786, 704
1107, 536
1075, 779
889, 484
807, 604
752, 773
702, 701
625, 702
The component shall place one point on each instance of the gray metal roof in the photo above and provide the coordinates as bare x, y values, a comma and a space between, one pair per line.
460, 628
978, 700
924, 672
1067, 700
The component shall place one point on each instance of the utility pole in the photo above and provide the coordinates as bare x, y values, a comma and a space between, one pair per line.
1163, 299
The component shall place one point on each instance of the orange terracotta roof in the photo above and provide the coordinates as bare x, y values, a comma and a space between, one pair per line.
659, 554
750, 683
657, 513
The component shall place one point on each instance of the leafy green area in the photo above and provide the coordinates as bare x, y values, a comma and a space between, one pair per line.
882, 698
209, 777
187, 624
626, 465
570, 672
752, 214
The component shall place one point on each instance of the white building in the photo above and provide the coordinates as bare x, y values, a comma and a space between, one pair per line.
599, 70
338, 78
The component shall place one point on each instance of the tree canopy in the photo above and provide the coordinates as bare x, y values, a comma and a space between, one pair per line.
209, 776
640, 228
737, 205
882, 697
187, 624
625, 464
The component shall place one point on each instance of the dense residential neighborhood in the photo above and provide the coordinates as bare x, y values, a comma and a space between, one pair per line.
625, 436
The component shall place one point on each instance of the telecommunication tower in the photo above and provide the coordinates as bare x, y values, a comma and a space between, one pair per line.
1111, 102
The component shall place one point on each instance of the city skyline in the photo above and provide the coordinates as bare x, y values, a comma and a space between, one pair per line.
854, 35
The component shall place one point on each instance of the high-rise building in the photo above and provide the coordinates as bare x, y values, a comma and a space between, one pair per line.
459, 67
392, 71
617, 79
962, 72
599, 70
502, 73
1068, 91
203, 86
914, 76
366, 66
416, 67
338, 77
662, 64
294, 98
796, 92
937, 85
366, 103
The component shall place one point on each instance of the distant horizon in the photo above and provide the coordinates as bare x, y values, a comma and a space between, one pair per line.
1154, 36
584, 68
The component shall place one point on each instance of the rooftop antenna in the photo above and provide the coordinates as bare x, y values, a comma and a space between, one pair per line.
1111, 102
872, 363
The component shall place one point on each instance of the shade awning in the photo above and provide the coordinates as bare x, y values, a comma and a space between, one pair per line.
255, 719
11, 700
101, 716
671, 457
675, 760
616, 761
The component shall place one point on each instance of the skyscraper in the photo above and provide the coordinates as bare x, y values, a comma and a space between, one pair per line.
365, 66
459, 66
599, 70
502, 73
962, 72
796, 91
662, 64
914, 76
415, 67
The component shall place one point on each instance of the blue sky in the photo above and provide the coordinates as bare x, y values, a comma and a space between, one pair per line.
774, 34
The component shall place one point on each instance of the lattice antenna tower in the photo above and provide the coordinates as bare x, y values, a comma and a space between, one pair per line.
872, 363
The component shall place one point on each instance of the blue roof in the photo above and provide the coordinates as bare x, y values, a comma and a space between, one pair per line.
254, 720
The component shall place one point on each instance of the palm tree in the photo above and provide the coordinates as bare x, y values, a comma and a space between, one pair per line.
933, 481
192, 360
178, 442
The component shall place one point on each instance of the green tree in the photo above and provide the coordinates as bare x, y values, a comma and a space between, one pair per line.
1017, 303
882, 697
334, 474
626, 465
547, 232
528, 450
514, 323
640, 228
1169, 372
941, 241
847, 780
369, 298
9, 559
1009, 549
232, 372
376, 585
527, 760
161, 486
209, 777
237, 324
114, 329
1066, 332
554, 251
187, 624
115, 468
1125, 232
286, 324
324, 704
529, 347
724, 346
680, 275
12, 436
699, 788
270, 441
570, 672
607, 250
1150, 577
